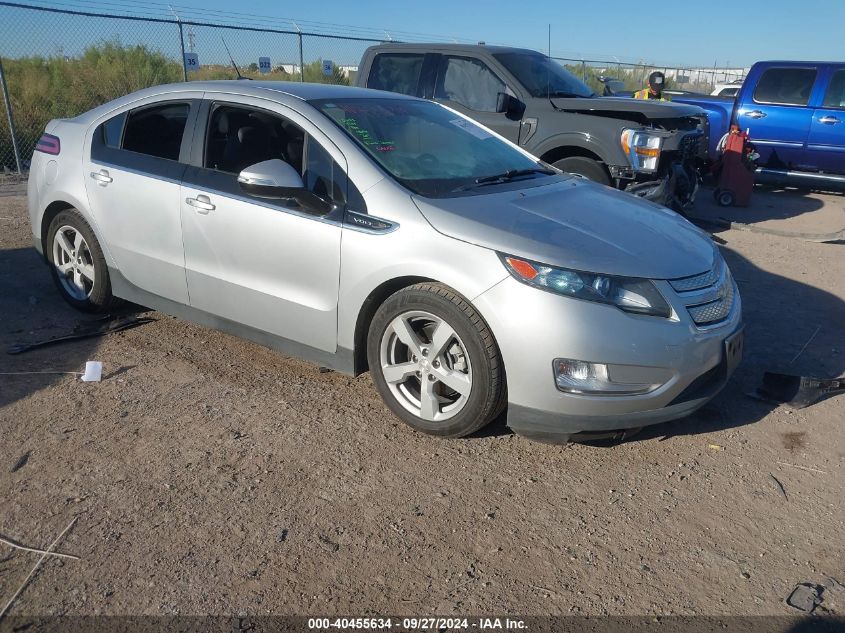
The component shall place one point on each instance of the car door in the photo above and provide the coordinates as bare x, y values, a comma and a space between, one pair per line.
266, 264
826, 142
132, 174
469, 86
778, 115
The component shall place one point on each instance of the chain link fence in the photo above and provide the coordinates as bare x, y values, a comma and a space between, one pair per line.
58, 63
622, 77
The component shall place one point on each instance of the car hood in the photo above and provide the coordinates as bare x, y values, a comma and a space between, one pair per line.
617, 105
577, 224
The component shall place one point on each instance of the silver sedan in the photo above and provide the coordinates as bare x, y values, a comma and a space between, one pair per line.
370, 231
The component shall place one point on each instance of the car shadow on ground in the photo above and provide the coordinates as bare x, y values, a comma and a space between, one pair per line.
33, 310
780, 316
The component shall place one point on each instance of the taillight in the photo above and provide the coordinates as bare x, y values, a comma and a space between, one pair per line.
48, 144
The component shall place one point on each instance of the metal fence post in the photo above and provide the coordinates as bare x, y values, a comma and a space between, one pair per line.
182, 44
583, 71
10, 118
301, 60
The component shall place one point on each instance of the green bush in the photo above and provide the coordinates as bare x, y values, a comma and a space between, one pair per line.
44, 88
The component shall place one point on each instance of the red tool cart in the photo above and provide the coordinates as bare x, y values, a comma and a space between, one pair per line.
735, 170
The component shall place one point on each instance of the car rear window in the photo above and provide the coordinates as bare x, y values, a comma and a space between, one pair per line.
785, 86
156, 131
835, 96
396, 72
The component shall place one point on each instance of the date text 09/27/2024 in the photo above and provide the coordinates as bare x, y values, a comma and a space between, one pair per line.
416, 624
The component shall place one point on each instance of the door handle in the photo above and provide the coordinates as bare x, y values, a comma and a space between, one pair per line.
756, 114
201, 203
829, 120
102, 177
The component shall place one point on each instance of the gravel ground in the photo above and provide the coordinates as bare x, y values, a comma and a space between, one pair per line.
212, 476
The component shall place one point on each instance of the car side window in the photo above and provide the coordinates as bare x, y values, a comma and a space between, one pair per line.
239, 136
785, 86
156, 131
112, 131
835, 95
468, 82
399, 72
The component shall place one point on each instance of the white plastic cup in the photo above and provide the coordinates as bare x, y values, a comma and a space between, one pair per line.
93, 371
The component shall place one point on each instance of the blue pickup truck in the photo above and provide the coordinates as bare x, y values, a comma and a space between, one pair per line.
795, 112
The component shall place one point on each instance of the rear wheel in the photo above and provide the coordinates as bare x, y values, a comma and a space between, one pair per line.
587, 167
434, 361
77, 263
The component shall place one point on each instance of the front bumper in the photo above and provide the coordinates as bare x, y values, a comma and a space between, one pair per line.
675, 189
532, 327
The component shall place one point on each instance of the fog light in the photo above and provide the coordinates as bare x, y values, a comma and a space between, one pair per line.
579, 376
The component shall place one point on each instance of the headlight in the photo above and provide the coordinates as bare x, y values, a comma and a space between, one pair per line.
642, 149
630, 294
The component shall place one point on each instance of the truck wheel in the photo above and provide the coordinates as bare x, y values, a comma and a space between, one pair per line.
587, 167
725, 199
435, 362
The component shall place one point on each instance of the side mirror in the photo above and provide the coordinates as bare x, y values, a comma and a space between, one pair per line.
275, 179
271, 179
509, 105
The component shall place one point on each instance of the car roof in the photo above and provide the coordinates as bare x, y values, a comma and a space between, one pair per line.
785, 62
265, 89
297, 89
445, 46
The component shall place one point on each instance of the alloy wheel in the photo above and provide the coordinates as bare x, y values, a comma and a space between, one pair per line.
73, 262
426, 365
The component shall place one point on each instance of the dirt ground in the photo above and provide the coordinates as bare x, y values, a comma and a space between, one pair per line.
212, 476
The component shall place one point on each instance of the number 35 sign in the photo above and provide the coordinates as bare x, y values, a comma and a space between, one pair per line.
192, 62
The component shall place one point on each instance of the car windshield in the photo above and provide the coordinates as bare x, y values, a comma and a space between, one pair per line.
542, 76
431, 150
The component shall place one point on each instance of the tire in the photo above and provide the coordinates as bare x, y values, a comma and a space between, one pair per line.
469, 361
587, 167
91, 295
726, 198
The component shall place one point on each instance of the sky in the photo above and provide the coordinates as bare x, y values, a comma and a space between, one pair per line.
665, 32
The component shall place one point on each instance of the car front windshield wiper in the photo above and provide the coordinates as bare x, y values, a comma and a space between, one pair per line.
566, 95
506, 176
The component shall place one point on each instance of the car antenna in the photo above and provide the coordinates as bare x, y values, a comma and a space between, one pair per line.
231, 59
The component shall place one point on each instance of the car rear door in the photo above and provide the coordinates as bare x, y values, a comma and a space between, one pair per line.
778, 115
132, 172
404, 72
264, 264
826, 142
471, 87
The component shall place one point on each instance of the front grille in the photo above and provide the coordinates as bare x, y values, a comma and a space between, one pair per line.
714, 311
689, 146
709, 296
697, 282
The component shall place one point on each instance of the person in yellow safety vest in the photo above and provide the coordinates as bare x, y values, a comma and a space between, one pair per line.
656, 82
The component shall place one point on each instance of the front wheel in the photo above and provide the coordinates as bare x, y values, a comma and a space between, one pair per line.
434, 361
586, 167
